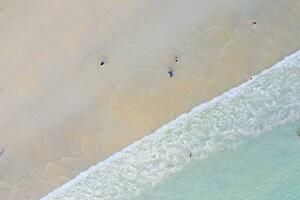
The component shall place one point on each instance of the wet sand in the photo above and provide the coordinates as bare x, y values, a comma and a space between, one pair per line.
62, 111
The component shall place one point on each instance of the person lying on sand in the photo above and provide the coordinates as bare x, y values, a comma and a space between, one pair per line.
171, 73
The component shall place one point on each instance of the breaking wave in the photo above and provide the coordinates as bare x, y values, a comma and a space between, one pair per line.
270, 98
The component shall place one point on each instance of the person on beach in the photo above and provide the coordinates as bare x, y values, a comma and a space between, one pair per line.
171, 73
176, 59
248, 76
2, 151
103, 62
253, 22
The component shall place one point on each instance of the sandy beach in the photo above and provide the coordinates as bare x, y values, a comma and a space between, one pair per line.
62, 111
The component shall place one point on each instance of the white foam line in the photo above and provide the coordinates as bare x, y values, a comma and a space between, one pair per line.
136, 151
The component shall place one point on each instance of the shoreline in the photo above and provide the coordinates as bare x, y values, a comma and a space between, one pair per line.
127, 155
61, 113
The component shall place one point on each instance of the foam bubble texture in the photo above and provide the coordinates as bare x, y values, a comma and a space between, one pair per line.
268, 99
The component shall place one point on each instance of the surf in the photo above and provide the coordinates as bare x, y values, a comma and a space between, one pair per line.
267, 100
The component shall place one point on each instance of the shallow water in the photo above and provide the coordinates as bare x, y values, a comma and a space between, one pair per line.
266, 167
231, 121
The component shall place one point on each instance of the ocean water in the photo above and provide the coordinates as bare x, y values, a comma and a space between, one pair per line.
265, 167
240, 145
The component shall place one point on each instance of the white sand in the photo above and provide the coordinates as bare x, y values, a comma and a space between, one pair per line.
220, 124
60, 112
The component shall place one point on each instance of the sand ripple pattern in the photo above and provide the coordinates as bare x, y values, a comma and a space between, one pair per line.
268, 99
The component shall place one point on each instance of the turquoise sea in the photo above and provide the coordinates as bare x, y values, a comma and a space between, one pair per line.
241, 145
265, 167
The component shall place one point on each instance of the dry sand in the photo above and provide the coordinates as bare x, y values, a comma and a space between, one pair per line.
61, 111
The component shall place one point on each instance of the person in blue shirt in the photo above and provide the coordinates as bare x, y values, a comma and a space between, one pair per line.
171, 73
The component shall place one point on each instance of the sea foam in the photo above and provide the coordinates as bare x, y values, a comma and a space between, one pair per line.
268, 99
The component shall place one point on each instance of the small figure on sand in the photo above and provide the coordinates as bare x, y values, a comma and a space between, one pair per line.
171, 73
190, 155
253, 22
2, 151
176, 59
248, 76
103, 62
